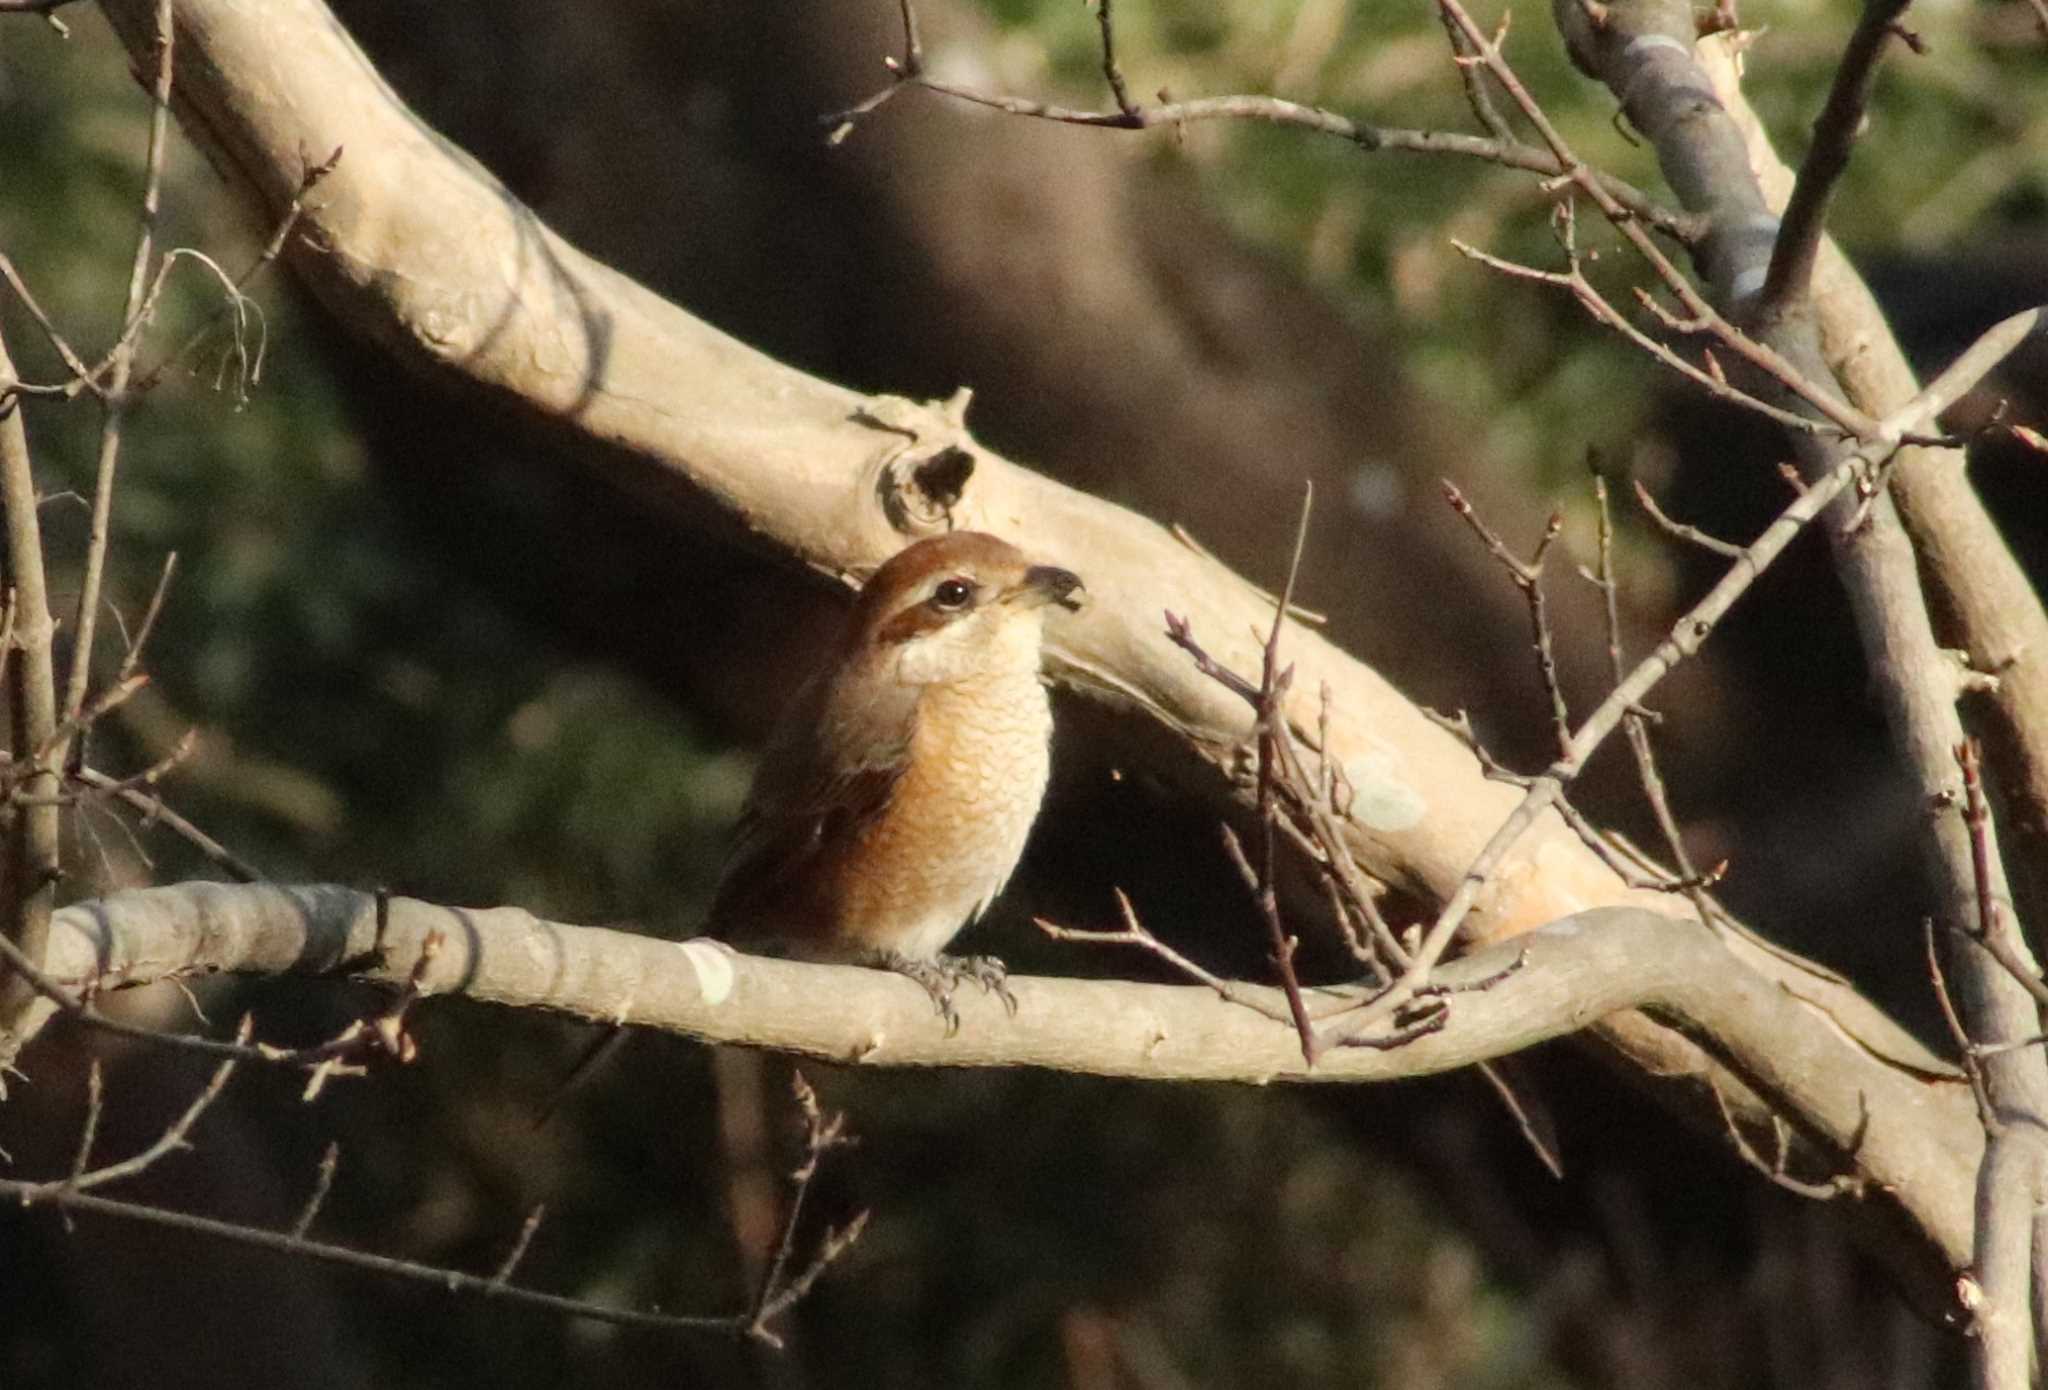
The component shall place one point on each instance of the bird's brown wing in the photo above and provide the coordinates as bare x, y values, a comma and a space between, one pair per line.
827, 772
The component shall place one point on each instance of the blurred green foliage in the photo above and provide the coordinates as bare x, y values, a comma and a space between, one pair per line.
1956, 151
364, 715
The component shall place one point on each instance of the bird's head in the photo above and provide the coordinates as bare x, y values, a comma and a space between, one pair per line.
959, 606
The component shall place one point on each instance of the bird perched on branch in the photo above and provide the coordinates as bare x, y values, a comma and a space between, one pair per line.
893, 800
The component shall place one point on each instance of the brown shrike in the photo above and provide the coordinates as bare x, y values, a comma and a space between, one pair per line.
894, 797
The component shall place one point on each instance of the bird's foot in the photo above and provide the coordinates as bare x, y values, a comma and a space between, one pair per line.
941, 975
988, 972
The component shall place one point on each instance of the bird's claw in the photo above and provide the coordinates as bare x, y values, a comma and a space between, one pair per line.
988, 972
941, 975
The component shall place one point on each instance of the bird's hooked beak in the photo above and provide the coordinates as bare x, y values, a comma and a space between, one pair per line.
1045, 584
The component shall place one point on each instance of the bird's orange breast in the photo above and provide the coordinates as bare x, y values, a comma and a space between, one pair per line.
954, 828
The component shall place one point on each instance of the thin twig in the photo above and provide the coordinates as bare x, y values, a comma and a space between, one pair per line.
170, 1141
1993, 929
1636, 722
1775, 1171
1271, 728
1607, 316
1684, 228
1134, 933
1528, 577
1692, 535
107, 701
81, 375
1470, 74
323, 1183
1967, 1049
452, 1281
237, 290
119, 367
822, 1134
503, 1275
155, 812
1834, 132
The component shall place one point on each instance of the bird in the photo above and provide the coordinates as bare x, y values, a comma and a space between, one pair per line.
893, 798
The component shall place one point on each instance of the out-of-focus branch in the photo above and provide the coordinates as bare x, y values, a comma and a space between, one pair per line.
28, 887
781, 1290
1500, 147
1790, 277
160, 63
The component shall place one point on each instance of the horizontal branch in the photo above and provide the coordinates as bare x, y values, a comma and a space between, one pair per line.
1883, 1120
1577, 971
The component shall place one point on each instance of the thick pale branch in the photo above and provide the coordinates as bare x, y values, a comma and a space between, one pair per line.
1574, 973
1881, 1130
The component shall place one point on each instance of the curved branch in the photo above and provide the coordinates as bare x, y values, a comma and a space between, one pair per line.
1565, 976
1888, 1139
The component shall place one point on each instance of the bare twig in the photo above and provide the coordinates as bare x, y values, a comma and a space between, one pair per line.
510, 1265
1607, 316
1834, 132
1470, 73
112, 698
149, 616
1128, 115
81, 375
1271, 711
822, 1134
82, 1179
1636, 722
1971, 1063
95, 1095
236, 290
1528, 577
148, 776
1993, 931
121, 363
1692, 535
155, 812
323, 1183
1775, 1170
33, 853
452, 1281
1134, 933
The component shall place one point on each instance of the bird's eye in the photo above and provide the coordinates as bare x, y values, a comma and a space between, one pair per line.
953, 593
